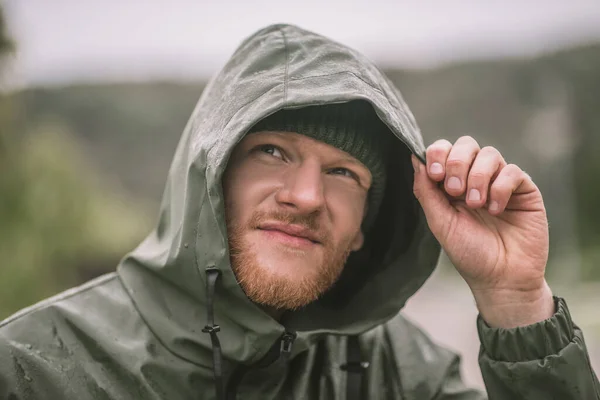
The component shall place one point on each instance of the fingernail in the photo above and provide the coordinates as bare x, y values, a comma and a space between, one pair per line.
454, 183
436, 168
474, 195
494, 206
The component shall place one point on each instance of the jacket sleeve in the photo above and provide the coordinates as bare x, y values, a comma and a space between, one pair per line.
546, 360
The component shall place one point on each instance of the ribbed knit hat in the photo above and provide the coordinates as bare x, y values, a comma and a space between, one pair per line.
352, 127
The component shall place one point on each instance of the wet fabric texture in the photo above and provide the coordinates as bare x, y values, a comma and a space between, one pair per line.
173, 323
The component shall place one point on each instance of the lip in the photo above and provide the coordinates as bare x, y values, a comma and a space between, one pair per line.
291, 233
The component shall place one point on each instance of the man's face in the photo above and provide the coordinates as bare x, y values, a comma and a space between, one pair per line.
294, 207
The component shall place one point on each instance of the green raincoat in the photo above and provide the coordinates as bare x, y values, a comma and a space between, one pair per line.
147, 331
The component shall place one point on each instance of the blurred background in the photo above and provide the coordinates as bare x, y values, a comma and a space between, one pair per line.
94, 96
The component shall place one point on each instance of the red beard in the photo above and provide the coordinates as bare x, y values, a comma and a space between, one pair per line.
282, 291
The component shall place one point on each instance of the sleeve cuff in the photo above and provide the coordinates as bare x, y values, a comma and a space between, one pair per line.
526, 343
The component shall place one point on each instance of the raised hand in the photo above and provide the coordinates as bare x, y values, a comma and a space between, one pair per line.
490, 219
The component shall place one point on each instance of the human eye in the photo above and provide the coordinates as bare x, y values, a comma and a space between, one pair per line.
344, 172
270, 149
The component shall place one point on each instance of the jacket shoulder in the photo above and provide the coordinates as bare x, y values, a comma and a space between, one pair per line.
40, 309
56, 347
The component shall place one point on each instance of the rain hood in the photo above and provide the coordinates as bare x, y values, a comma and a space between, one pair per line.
279, 67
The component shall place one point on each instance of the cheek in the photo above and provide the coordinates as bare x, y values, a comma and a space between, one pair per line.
245, 188
234, 193
347, 212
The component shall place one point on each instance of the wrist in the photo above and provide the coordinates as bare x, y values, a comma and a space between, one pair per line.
507, 308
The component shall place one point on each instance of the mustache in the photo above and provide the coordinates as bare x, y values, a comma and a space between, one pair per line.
307, 221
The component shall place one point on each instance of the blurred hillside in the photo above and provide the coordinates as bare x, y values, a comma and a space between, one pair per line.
541, 113
61, 221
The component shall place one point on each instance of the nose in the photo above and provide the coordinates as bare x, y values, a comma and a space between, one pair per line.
303, 188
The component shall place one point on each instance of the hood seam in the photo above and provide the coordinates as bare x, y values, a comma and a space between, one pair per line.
287, 66
378, 90
215, 148
151, 330
197, 226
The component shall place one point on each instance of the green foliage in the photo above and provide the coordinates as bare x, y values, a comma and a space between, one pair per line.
6, 44
57, 220
60, 223
128, 130
585, 75
6, 47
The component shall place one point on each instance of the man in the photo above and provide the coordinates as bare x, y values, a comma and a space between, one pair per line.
289, 239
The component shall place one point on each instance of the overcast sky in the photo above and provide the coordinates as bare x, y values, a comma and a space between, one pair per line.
72, 40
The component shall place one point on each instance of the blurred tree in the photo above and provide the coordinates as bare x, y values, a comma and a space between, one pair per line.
7, 177
6, 48
583, 70
5, 42
60, 222
62, 227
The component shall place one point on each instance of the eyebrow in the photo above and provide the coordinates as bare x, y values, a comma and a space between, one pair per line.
343, 158
352, 160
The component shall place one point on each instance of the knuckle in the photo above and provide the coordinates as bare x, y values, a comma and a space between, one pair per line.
501, 187
442, 143
466, 139
417, 193
490, 150
477, 176
513, 169
455, 164
439, 147
436, 153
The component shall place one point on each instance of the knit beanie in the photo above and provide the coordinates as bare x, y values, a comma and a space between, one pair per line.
352, 127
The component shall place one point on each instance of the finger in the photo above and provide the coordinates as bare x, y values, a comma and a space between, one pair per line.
436, 156
458, 165
433, 200
511, 180
485, 168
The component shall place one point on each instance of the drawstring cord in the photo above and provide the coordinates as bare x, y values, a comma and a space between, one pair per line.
355, 368
212, 275
354, 364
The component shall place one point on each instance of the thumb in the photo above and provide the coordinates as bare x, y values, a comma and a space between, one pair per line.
438, 210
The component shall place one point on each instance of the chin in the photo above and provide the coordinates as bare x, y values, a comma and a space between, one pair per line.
289, 265
283, 283
280, 276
